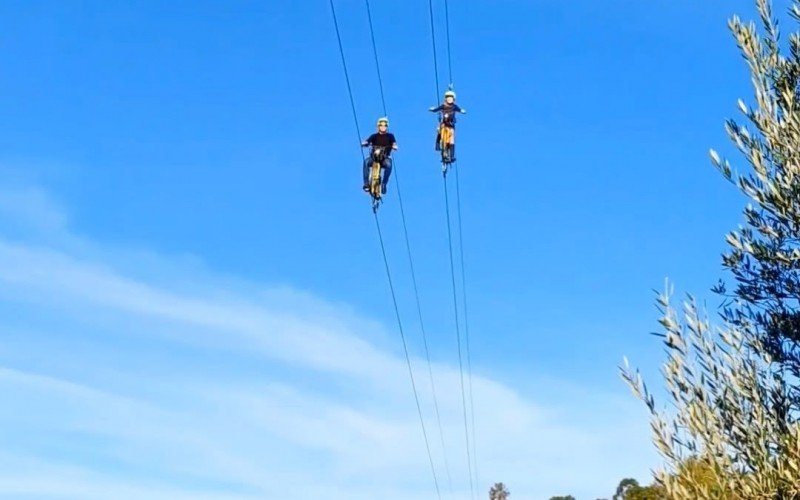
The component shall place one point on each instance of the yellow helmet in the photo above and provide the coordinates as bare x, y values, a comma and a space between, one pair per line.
449, 93
382, 119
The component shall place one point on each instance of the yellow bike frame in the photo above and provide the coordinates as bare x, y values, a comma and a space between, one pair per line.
375, 180
444, 136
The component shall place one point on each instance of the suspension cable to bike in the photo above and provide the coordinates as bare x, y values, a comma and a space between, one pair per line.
386, 264
411, 261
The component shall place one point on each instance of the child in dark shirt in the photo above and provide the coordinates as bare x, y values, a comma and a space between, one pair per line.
448, 110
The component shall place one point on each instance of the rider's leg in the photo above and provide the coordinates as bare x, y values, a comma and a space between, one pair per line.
387, 172
367, 166
437, 146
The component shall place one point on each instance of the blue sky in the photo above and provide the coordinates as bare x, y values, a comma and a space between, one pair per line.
190, 279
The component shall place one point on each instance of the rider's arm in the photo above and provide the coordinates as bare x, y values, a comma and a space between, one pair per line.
366, 142
460, 109
435, 109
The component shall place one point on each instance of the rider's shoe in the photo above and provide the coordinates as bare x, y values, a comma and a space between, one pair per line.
365, 187
383, 189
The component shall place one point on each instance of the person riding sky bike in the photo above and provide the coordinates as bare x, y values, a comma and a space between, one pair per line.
386, 141
448, 110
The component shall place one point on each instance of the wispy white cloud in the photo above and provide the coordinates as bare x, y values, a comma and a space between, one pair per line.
184, 388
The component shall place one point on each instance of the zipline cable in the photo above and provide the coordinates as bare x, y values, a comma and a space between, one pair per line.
433, 41
375, 53
461, 252
458, 335
405, 350
346, 74
386, 263
466, 324
447, 30
450, 243
410, 259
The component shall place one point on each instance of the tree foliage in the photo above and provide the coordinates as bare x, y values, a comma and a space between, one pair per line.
499, 492
764, 254
629, 489
733, 433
